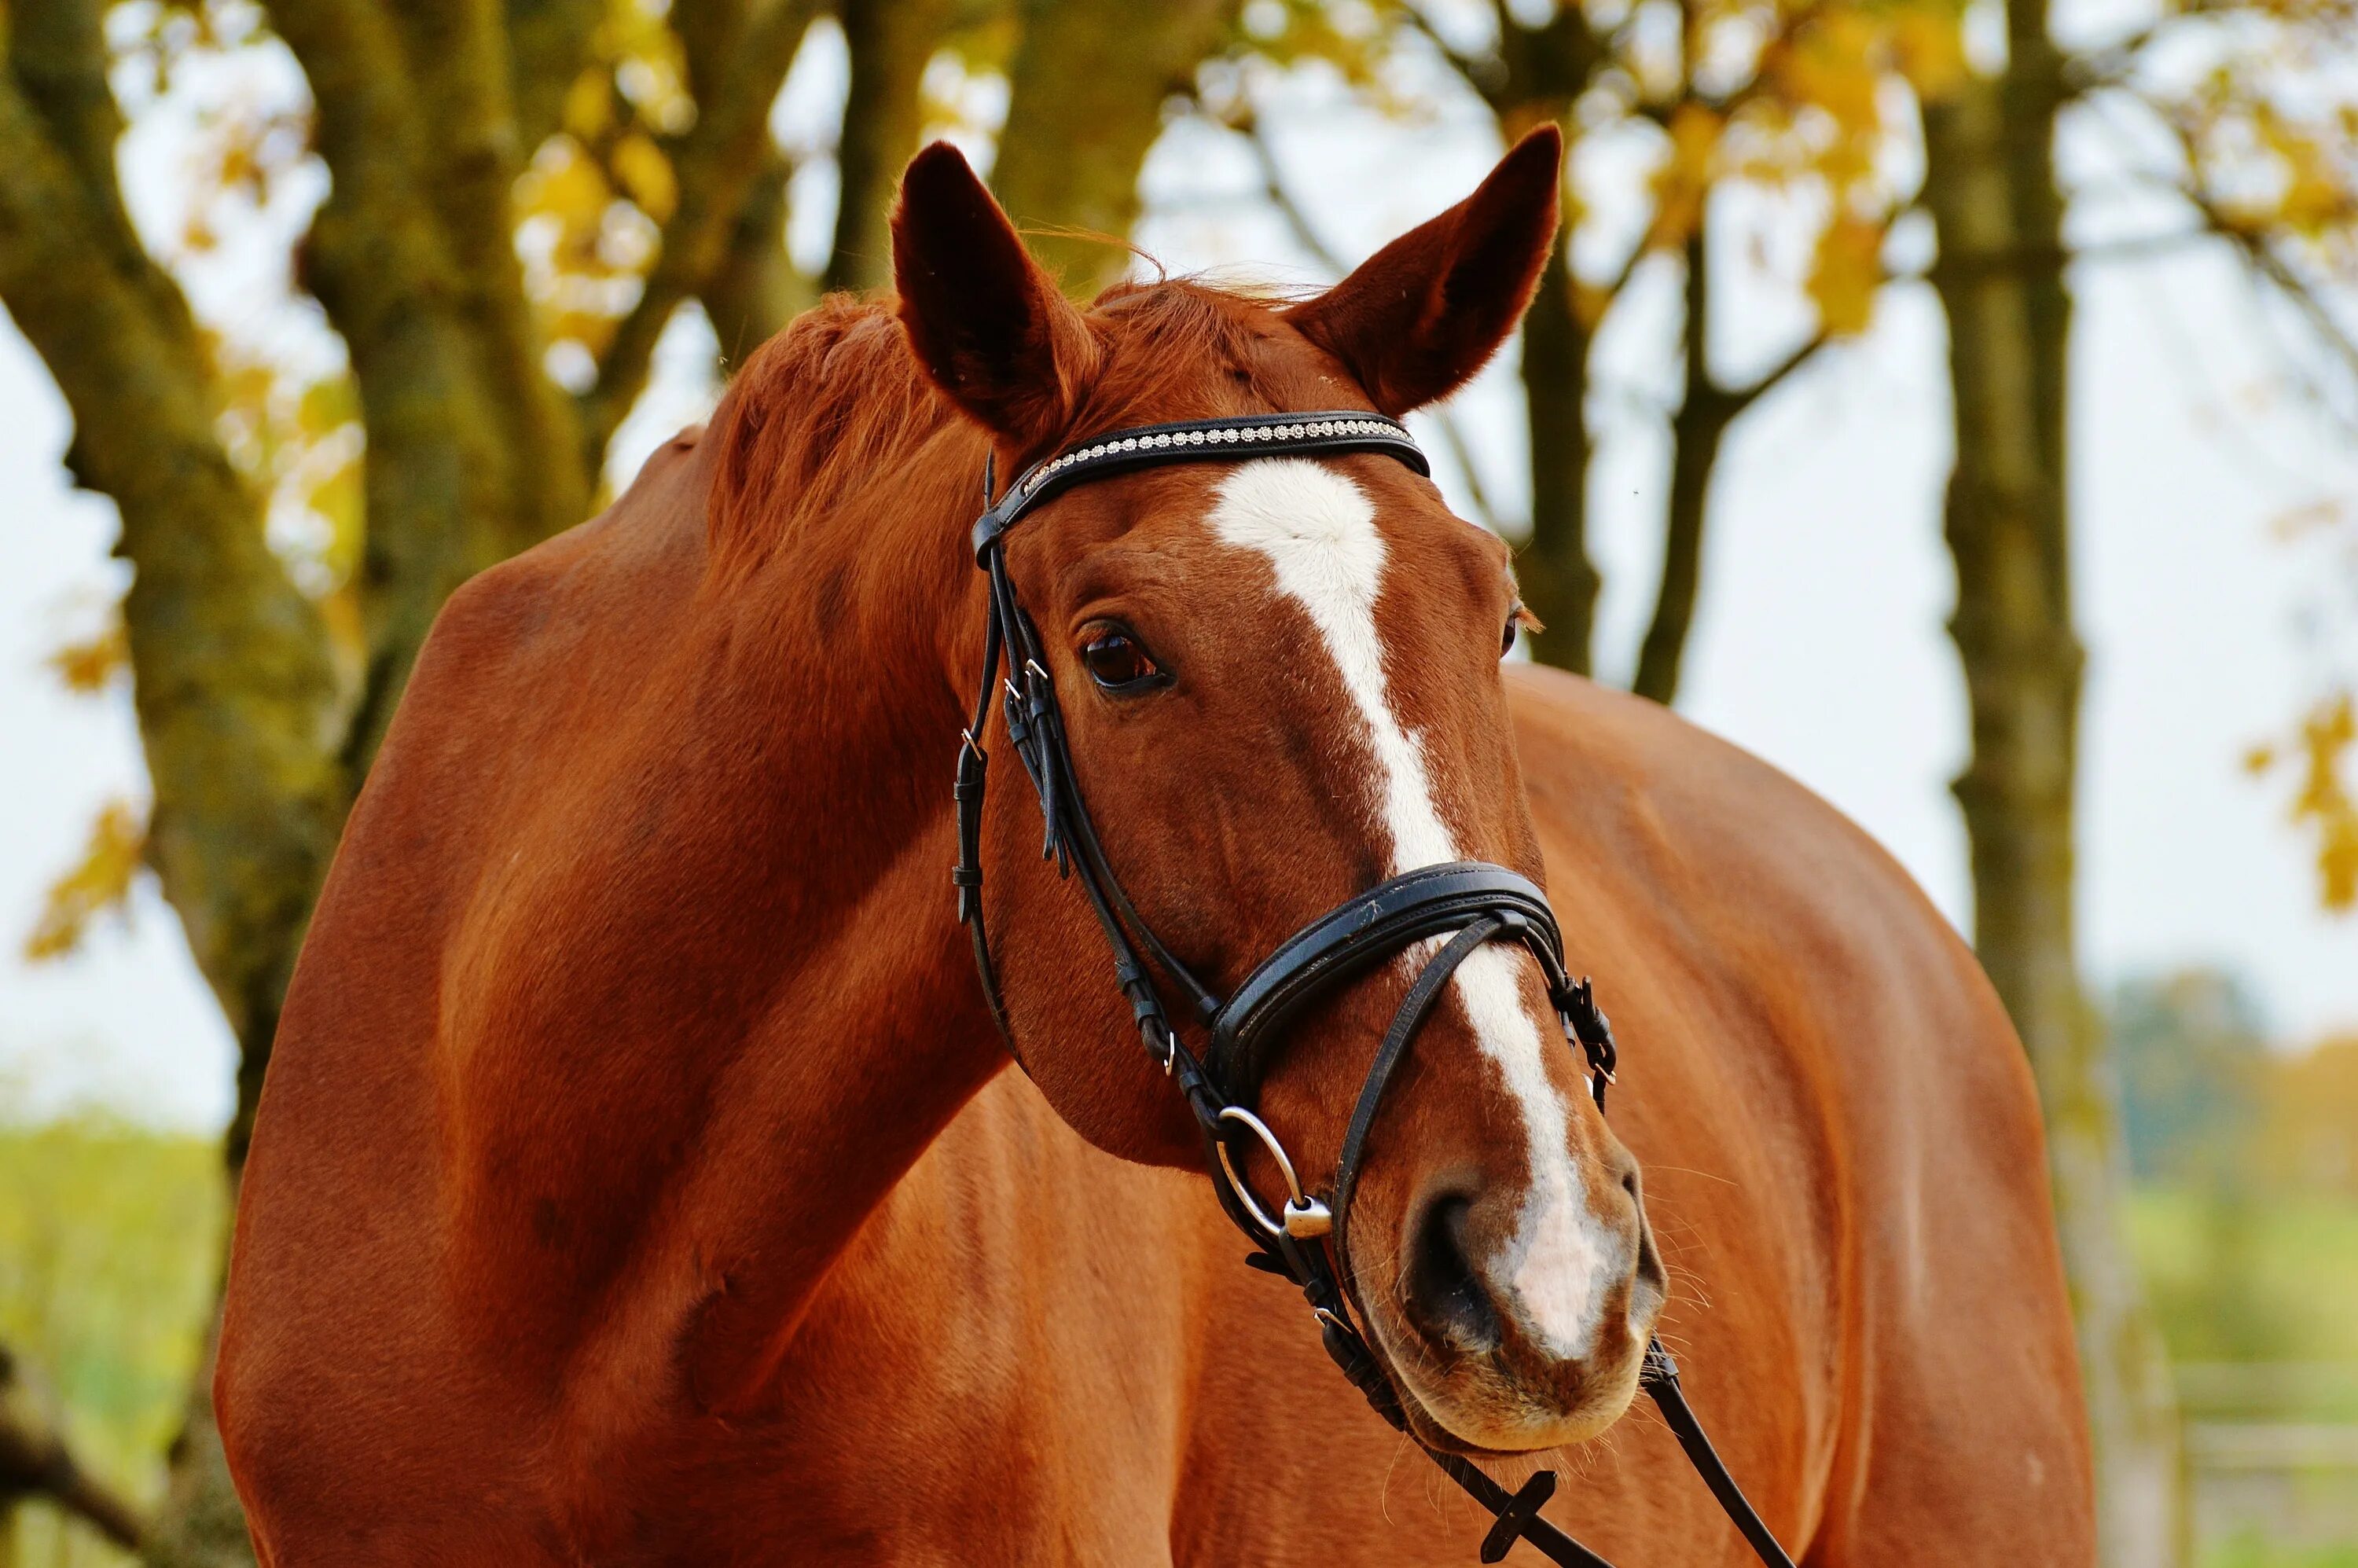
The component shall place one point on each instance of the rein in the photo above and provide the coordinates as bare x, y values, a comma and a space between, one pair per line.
1467, 904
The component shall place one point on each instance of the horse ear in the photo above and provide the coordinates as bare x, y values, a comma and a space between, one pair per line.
987, 323
1416, 320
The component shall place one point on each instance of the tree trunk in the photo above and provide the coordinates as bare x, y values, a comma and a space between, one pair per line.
1697, 430
1553, 571
757, 289
1698, 433
1087, 89
890, 42
1991, 186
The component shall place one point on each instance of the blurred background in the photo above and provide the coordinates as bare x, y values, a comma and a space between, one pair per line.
1952, 404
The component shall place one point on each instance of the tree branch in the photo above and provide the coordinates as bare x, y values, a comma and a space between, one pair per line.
716, 164
549, 49
440, 496
1297, 222
35, 1461
1452, 435
757, 288
1486, 76
891, 43
2263, 258
471, 154
1087, 89
1740, 398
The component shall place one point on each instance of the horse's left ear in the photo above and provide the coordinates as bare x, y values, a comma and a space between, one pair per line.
1416, 320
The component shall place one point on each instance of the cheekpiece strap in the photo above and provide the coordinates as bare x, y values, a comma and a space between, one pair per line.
1326, 432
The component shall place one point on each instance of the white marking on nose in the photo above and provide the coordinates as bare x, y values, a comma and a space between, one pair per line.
1317, 530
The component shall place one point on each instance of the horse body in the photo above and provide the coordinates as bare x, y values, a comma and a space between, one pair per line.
639, 1179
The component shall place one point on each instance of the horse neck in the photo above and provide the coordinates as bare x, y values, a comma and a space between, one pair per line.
868, 1031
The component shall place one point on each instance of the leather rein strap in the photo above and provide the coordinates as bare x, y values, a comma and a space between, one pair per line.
1463, 905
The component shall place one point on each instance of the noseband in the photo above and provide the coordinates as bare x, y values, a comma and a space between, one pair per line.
1461, 906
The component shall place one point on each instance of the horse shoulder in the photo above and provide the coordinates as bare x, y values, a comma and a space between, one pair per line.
348, 1184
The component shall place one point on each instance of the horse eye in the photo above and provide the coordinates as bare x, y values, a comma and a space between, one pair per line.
1117, 662
1514, 624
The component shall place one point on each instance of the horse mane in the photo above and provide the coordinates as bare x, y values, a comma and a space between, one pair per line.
836, 398
821, 408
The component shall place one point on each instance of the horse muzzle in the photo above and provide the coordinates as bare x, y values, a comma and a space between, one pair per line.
1503, 1343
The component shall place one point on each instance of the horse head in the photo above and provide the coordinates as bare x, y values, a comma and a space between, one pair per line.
1279, 679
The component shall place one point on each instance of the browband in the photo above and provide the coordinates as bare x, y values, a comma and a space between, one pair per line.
1231, 440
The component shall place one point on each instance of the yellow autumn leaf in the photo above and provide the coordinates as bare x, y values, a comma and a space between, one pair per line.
328, 404
1832, 66
645, 174
588, 110
1927, 45
1846, 275
88, 665
99, 881
2324, 800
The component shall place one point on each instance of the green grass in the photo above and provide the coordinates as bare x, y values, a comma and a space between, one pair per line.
109, 1239
2251, 1552
2240, 1277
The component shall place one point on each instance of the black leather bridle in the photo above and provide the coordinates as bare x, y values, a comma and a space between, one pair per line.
1464, 904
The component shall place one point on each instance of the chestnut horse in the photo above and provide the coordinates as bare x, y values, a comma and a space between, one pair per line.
641, 1178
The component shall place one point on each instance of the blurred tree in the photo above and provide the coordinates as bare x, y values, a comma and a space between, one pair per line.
36, 1462
519, 200
2194, 1069
2308, 1139
1089, 86
2275, 182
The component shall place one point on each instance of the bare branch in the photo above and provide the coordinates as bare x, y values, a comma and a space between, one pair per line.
2264, 258
1486, 76
35, 1461
1743, 397
1452, 435
1272, 178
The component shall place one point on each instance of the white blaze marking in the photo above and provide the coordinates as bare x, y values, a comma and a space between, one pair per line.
1318, 529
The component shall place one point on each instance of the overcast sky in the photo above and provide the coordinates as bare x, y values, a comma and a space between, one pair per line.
1820, 643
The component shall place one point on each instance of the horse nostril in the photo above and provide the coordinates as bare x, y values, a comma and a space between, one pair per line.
1444, 1295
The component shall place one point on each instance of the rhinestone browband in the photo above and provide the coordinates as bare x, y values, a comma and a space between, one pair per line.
1329, 430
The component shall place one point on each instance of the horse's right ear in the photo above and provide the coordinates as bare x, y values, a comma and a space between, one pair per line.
987, 324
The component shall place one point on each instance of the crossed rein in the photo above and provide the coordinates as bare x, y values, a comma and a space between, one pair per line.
1469, 902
